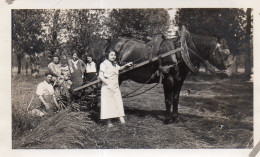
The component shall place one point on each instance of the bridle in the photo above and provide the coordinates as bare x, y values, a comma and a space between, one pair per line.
217, 52
211, 67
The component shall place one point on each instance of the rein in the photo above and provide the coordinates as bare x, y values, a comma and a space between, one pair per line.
127, 95
211, 67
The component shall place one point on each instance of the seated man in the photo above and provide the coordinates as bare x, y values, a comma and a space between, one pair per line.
55, 67
45, 92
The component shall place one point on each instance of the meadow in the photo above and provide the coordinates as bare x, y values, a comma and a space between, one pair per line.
213, 113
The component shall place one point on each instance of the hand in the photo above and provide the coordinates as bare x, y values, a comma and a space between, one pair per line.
47, 106
58, 106
111, 88
71, 70
130, 64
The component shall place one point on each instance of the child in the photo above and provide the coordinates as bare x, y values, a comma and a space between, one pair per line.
111, 99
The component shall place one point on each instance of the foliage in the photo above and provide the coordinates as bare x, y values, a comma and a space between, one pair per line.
138, 22
221, 23
26, 31
72, 30
85, 29
56, 31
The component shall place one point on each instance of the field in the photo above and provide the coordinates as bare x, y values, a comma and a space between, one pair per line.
213, 113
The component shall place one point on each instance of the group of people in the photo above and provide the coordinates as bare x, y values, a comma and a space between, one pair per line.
55, 92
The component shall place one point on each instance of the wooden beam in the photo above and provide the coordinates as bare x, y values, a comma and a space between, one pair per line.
87, 85
134, 67
152, 60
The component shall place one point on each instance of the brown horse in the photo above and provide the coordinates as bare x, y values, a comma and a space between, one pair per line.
175, 67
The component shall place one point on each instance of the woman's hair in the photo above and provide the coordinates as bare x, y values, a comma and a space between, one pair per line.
109, 51
56, 56
75, 52
89, 55
47, 73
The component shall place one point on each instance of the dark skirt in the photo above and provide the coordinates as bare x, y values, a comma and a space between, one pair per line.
90, 77
76, 78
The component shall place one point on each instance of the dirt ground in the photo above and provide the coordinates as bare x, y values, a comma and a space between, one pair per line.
213, 113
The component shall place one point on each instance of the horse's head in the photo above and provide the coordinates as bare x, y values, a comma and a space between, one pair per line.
223, 59
125, 49
216, 57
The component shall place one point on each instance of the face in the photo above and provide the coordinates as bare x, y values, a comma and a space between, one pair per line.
89, 59
48, 78
60, 80
112, 56
56, 60
75, 57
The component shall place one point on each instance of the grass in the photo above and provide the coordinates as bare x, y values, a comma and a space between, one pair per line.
213, 114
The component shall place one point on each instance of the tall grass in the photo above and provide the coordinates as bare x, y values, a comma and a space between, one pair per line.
64, 130
22, 92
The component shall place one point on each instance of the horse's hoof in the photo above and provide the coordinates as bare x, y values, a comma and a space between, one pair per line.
166, 121
175, 119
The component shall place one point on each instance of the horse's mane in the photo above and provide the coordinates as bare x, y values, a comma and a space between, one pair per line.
143, 39
204, 42
203, 39
132, 38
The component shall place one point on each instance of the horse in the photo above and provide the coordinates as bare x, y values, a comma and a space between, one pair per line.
199, 48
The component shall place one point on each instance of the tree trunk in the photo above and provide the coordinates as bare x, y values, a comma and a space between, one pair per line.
248, 63
19, 63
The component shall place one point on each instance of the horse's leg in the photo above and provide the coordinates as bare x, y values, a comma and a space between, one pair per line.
175, 102
167, 87
176, 93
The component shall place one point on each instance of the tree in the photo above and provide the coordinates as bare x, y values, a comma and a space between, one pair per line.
85, 28
221, 23
138, 22
26, 33
248, 42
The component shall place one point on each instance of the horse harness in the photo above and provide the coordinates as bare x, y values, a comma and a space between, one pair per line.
182, 57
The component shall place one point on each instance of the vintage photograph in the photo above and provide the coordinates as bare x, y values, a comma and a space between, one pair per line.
162, 78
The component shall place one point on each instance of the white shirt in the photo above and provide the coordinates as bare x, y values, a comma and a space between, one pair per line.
75, 63
44, 88
91, 67
55, 68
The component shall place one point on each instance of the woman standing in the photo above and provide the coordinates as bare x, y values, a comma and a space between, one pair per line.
77, 69
91, 70
111, 99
